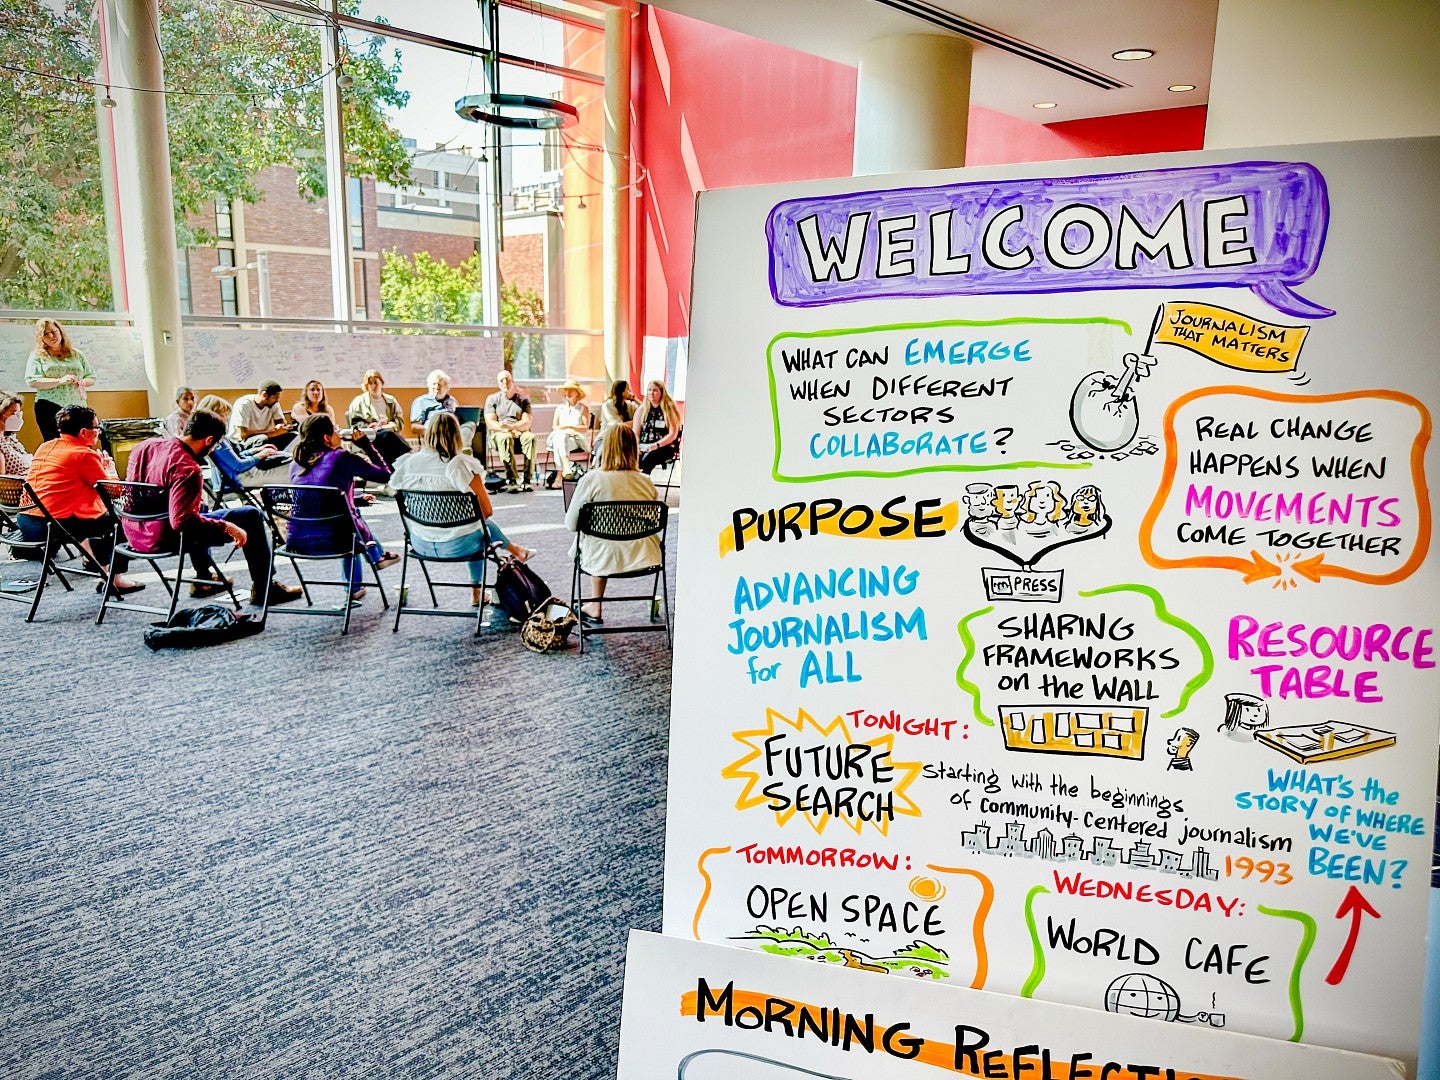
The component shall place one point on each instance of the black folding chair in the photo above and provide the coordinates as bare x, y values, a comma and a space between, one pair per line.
440, 510
12, 495
15, 495
319, 510
623, 520
669, 467
222, 489
143, 503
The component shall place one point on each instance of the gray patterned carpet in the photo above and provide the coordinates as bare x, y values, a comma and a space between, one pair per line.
301, 855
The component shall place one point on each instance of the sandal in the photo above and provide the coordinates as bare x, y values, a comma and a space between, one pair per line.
388, 558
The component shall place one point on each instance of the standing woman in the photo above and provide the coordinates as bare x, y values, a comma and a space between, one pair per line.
379, 414
657, 426
321, 460
58, 373
312, 403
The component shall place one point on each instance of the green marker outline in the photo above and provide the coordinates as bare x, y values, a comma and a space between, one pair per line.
967, 640
1094, 320
1307, 940
1162, 613
1207, 658
1037, 967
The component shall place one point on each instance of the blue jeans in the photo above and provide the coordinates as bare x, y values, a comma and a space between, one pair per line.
355, 572
474, 544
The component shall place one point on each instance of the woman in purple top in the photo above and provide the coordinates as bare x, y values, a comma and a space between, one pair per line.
321, 460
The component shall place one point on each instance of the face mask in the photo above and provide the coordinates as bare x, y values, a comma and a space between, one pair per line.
15, 422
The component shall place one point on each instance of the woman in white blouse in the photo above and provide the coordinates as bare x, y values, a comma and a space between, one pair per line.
618, 478
440, 466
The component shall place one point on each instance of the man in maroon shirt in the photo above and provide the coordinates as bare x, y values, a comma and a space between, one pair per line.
174, 464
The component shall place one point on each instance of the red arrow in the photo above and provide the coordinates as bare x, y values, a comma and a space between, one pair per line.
1357, 907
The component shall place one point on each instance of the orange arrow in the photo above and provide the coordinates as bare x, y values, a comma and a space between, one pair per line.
1311, 568
1357, 907
1259, 568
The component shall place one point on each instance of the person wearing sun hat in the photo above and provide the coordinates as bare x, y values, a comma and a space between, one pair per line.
569, 431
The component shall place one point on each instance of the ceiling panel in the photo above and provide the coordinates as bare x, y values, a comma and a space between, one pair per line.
1085, 32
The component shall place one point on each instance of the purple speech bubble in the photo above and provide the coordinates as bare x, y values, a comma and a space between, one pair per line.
1255, 224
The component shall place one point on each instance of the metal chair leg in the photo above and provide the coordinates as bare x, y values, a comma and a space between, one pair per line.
404, 569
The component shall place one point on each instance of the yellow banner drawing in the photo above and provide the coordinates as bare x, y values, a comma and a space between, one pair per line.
855, 520
1230, 338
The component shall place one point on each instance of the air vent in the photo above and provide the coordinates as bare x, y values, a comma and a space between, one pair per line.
1014, 46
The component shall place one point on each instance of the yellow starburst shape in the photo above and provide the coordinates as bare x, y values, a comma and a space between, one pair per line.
797, 767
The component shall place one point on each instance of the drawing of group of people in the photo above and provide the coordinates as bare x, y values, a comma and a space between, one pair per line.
1041, 509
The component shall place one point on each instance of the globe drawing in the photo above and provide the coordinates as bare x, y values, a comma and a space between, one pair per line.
1139, 994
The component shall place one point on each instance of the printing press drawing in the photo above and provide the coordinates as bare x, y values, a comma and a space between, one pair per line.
1026, 523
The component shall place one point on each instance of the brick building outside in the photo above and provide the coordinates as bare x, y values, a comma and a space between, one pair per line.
436, 213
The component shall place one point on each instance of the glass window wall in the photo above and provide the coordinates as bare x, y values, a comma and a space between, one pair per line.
54, 252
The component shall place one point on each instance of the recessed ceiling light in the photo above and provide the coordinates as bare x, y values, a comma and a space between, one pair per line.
1133, 54
1181, 88
1043, 105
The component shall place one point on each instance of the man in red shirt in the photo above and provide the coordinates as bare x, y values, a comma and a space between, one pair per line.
63, 475
174, 464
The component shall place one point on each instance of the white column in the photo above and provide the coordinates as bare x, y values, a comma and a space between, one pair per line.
617, 192
1296, 71
912, 104
146, 200
488, 215
342, 291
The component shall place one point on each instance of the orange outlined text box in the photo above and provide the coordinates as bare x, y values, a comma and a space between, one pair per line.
1287, 486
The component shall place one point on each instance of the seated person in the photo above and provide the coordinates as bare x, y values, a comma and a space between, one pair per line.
64, 474
258, 419
184, 406
618, 477
312, 403
507, 419
440, 466
244, 468
320, 459
619, 407
379, 414
570, 431
437, 398
657, 426
14, 458
174, 466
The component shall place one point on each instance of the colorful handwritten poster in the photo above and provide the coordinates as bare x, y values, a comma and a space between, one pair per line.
1057, 614
702, 1012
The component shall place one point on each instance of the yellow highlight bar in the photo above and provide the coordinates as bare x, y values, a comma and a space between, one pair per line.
1230, 338
853, 521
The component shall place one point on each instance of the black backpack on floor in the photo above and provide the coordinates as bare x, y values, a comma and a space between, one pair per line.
209, 624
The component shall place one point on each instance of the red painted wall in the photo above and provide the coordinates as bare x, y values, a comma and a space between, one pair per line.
713, 109
999, 139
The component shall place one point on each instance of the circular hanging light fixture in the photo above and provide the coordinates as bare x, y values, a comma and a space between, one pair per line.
528, 111
1133, 54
